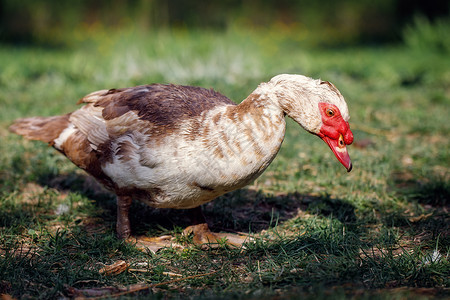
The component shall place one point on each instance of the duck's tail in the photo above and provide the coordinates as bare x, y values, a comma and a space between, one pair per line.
46, 129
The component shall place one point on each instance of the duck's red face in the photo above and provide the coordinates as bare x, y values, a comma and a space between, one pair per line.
336, 132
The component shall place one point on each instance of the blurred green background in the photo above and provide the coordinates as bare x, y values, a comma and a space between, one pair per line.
323, 23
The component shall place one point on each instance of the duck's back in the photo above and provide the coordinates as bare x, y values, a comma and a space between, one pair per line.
159, 104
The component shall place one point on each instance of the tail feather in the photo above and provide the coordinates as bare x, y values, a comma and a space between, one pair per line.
45, 129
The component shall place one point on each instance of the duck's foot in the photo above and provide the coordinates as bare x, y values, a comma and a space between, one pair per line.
203, 237
153, 244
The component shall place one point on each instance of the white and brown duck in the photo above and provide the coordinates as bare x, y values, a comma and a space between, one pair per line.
173, 146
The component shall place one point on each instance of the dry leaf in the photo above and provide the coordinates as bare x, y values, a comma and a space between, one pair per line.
153, 244
114, 269
420, 218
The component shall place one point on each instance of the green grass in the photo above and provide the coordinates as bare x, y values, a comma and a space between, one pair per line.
320, 232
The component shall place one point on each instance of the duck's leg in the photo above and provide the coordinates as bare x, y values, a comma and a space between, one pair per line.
201, 234
204, 237
123, 222
123, 229
196, 215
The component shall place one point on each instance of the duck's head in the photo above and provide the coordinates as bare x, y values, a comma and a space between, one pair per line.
318, 107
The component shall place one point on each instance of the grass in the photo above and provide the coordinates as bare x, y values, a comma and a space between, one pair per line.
379, 232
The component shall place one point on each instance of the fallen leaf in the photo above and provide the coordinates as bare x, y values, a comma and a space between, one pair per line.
153, 244
420, 218
115, 268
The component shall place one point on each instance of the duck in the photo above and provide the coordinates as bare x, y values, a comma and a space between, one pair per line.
177, 146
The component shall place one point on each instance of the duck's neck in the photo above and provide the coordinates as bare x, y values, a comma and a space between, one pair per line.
242, 140
261, 121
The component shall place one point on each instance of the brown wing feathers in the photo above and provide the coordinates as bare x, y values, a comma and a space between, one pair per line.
160, 104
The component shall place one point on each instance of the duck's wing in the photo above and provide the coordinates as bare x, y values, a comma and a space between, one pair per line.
157, 103
148, 109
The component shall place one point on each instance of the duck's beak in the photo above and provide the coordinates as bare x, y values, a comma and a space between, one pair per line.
339, 149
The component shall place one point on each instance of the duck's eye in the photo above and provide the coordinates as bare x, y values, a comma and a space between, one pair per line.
330, 112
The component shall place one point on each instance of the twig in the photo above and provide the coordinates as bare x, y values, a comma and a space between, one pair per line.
259, 272
141, 288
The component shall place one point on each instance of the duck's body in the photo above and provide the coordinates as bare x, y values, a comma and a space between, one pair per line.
178, 146
188, 156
